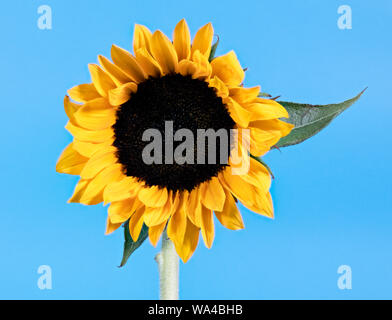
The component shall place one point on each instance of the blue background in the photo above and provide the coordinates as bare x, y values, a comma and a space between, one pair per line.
332, 194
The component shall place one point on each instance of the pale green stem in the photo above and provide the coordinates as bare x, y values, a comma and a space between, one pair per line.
168, 265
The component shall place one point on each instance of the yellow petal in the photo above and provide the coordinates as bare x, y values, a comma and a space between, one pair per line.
141, 38
230, 216
99, 161
263, 204
70, 108
118, 76
122, 94
258, 176
193, 208
83, 92
150, 66
110, 227
156, 216
212, 194
228, 69
70, 161
282, 127
120, 211
136, 223
251, 197
187, 68
204, 69
128, 187
96, 136
163, 51
78, 192
189, 245
80, 189
203, 40
267, 199
102, 82
266, 110
182, 40
177, 224
241, 189
238, 113
123, 210
239, 156
207, 226
92, 201
127, 63
155, 233
244, 95
219, 86
261, 140
96, 114
153, 196
87, 149
100, 181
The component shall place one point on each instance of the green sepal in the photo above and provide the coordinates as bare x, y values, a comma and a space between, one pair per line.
129, 245
264, 95
213, 50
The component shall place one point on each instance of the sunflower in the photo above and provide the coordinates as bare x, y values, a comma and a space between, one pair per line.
175, 81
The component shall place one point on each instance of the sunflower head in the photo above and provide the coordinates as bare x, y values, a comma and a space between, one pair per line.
168, 90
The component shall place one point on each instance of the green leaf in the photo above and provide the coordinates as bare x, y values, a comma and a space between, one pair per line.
213, 50
129, 245
310, 119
